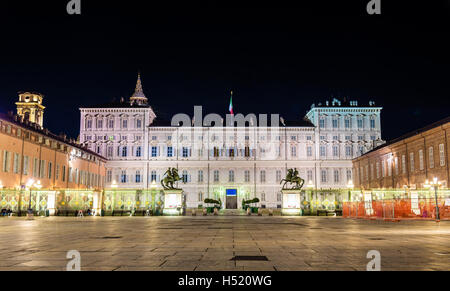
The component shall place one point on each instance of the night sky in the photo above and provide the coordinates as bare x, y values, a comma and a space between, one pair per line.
275, 56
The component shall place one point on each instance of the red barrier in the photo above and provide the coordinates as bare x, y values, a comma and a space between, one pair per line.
396, 209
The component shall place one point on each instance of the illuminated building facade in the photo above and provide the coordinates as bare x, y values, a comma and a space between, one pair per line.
248, 160
407, 161
52, 167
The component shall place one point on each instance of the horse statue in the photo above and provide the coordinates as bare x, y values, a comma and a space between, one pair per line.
292, 177
170, 178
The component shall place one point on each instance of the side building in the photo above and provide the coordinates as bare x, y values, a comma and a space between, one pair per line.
56, 172
408, 161
249, 160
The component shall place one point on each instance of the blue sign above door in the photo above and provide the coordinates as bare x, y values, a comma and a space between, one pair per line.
231, 192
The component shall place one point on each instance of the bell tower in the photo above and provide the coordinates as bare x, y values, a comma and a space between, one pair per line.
30, 107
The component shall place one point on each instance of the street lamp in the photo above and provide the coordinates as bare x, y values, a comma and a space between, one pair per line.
153, 187
435, 184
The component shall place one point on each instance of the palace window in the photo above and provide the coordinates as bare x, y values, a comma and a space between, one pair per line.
200, 176
138, 151
309, 151
309, 175
26, 161
231, 152
138, 123
109, 176
336, 176
441, 155
109, 151
431, 157
89, 124
153, 176
169, 151
347, 123
186, 152
323, 176
49, 172
278, 176
231, 176
154, 151
124, 123
263, 196
247, 152
123, 176
263, 176
335, 123
322, 151
293, 151
124, 151
42, 169
247, 176
216, 176
111, 123
279, 195
360, 123
403, 164
200, 196
421, 160
372, 123
138, 177
335, 151
396, 165
16, 164
349, 175
100, 124
411, 161
322, 123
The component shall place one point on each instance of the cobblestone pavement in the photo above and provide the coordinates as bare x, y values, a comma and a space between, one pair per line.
211, 243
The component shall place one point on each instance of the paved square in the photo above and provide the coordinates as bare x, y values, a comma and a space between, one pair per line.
211, 243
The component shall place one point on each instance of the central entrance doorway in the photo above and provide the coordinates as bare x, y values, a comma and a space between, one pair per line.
231, 199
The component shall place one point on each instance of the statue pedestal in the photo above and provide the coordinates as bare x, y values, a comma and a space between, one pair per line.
173, 202
291, 203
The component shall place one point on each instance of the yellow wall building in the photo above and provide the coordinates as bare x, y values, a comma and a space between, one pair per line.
39, 164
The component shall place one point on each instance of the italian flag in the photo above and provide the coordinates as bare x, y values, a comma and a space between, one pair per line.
230, 108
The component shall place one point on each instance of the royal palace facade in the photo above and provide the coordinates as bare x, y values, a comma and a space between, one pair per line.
248, 158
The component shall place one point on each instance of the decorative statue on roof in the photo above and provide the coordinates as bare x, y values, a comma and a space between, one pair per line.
292, 177
170, 178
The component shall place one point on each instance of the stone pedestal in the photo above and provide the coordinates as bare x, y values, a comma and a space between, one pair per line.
173, 202
291, 202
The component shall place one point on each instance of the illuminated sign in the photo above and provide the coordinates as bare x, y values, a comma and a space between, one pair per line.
231, 192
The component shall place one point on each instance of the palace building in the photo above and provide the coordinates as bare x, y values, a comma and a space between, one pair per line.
54, 171
408, 161
243, 161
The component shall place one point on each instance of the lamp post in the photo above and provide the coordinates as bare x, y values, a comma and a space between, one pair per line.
350, 186
310, 186
435, 184
153, 188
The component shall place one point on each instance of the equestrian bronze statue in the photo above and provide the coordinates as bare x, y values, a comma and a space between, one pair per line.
294, 179
170, 178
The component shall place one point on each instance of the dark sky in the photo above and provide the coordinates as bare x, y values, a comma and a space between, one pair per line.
275, 56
